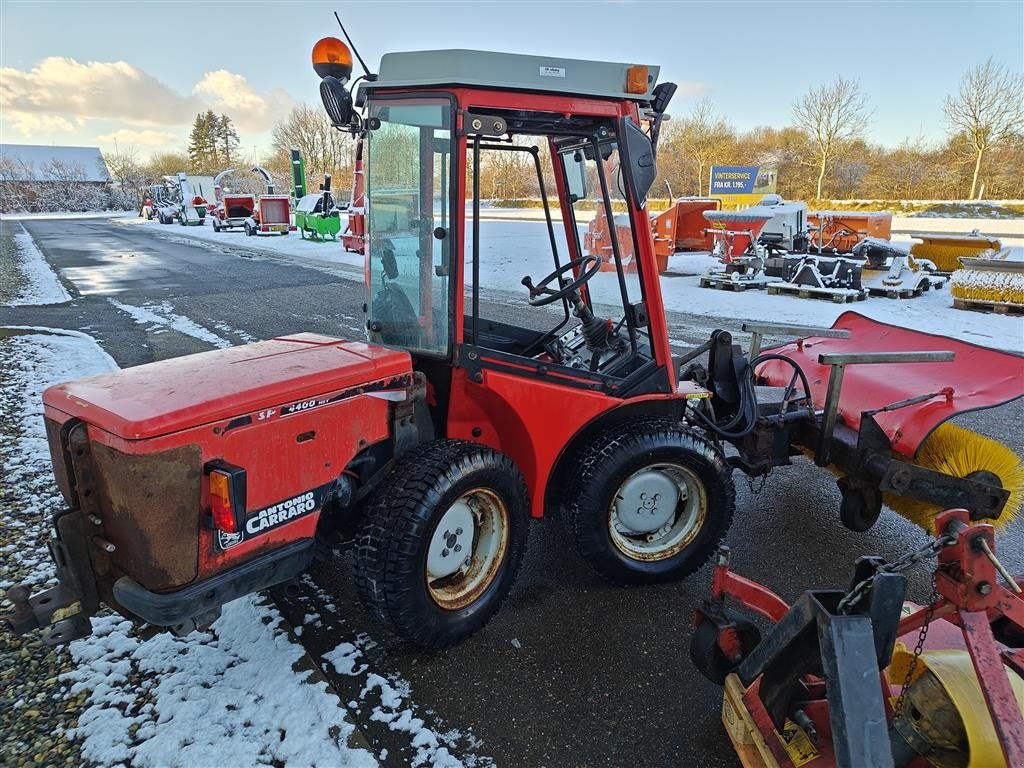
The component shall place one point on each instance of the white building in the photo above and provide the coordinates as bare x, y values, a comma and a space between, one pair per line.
46, 178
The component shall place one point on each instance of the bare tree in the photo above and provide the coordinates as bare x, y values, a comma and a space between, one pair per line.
832, 115
127, 175
703, 136
988, 108
324, 148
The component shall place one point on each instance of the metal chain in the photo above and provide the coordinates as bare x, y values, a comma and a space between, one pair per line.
755, 486
897, 708
908, 561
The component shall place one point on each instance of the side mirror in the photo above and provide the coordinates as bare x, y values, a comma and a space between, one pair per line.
662, 95
337, 101
637, 160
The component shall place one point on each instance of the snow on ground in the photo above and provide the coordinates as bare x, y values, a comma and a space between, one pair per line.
513, 248
41, 285
391, 702
162, 314
290, 245
226, 696
68, 215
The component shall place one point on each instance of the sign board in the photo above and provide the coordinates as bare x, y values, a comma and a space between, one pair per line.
739, 186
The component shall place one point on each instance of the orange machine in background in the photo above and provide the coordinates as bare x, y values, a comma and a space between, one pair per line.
680, 228
842, 230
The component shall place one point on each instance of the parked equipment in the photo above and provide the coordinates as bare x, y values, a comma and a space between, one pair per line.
994, 284
849, 678
842, 231
430, 446
231, 210
273, 214
353, 239
735, 236
891, 271
946, 250
786, 230
680, 228
315, 213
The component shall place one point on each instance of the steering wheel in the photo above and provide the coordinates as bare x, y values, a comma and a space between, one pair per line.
541, 295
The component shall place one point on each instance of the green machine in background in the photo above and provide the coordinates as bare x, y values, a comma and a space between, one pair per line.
315, 212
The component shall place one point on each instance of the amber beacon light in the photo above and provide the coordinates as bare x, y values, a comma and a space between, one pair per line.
332, 58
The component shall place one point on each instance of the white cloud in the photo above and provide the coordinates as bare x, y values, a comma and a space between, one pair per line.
231, 94
59, 85
143, 138
30, 123
59, 94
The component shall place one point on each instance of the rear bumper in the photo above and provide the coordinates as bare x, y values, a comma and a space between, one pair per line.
64, 610
193, 603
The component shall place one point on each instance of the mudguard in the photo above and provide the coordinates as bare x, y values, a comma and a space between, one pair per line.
977, 378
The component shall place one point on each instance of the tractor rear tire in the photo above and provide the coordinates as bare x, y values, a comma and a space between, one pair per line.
650, 501
442, 485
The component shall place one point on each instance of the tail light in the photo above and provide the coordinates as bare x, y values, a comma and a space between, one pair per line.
227, 496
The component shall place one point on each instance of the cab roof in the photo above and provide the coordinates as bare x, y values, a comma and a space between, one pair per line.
508, 71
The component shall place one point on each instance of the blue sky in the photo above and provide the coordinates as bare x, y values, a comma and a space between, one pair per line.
138, 71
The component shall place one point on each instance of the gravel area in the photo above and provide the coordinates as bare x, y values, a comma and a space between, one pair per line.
11, 278
36, 707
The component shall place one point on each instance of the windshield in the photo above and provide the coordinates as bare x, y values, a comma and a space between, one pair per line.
408, 233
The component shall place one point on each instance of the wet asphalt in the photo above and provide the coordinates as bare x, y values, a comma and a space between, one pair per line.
572, 671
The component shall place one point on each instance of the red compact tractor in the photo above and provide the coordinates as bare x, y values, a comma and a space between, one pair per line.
431, 445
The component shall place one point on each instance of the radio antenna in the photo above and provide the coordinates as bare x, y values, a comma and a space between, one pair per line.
366, 70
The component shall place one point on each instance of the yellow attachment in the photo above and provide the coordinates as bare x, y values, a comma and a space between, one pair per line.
988, 285
945, 251
957, 451
958, 681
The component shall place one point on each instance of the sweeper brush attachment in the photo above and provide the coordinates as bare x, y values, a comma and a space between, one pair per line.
960, 452
945, 251
886, 395
989, 281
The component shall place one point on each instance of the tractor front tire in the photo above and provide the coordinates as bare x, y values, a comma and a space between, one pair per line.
441, 540
650, 501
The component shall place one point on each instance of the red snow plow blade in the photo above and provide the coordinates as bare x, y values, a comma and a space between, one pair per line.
977, 378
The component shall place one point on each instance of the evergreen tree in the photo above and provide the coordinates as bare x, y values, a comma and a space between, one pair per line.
227, 140
203, 146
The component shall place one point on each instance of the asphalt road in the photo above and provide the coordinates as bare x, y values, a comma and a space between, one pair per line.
572, 671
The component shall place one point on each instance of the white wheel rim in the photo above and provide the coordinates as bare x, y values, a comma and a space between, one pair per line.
467, 548
681, 523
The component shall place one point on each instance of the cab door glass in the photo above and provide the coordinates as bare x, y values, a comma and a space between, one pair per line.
408, 210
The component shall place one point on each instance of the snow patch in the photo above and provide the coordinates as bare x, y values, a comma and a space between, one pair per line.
162, 314
227, 696
41, 283
345, 659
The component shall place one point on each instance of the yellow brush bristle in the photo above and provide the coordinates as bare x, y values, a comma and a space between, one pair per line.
957, 451
988, 285
946, 256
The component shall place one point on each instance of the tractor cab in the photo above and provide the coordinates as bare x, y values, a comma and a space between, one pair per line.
436, 124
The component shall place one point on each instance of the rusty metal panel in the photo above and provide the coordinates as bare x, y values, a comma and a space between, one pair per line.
59, 460
150, 507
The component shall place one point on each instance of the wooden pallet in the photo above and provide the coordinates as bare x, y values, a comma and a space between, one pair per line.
725, 284
998, 308
895, 293
838, 295
901, 293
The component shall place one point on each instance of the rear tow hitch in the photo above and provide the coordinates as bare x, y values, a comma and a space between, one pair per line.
38, 611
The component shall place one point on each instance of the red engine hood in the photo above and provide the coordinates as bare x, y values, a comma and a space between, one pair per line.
168, 396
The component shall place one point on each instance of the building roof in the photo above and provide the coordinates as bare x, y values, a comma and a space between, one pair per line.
33, 162
487, 69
